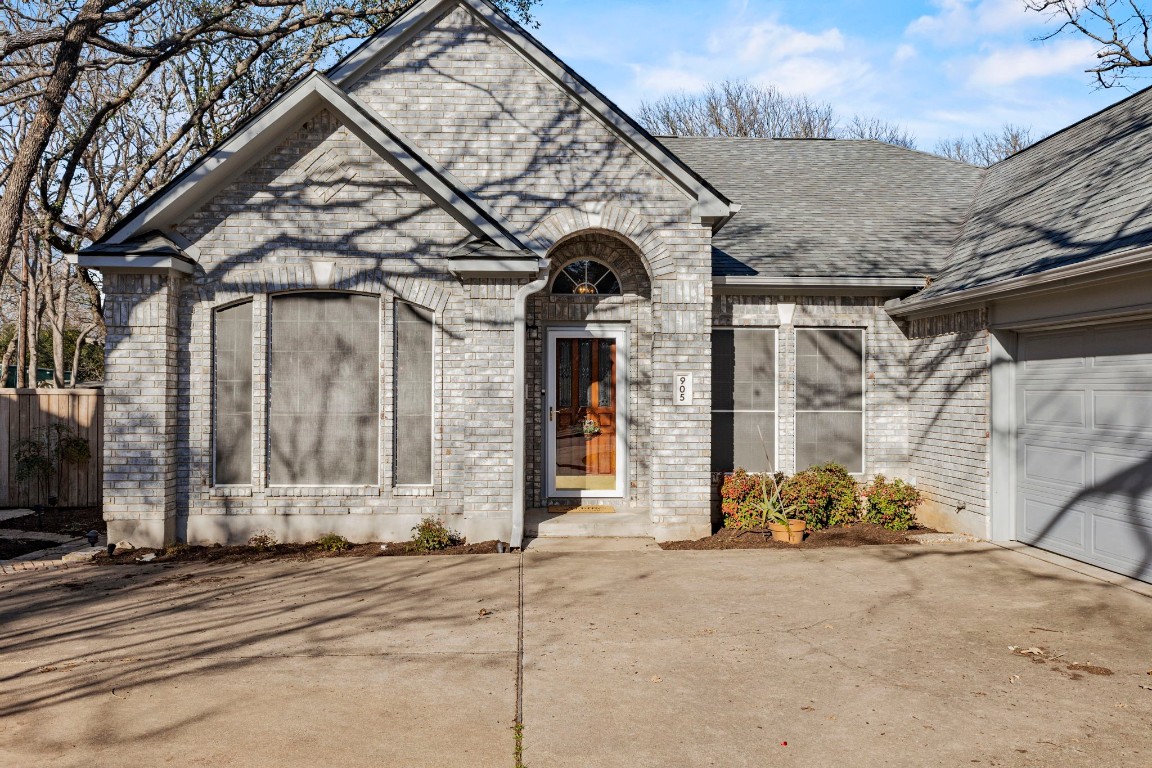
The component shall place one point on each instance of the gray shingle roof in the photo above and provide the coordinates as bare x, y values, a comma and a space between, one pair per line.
1082, 193
831, 208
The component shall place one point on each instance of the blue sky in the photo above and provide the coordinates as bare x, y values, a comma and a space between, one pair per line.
940, 67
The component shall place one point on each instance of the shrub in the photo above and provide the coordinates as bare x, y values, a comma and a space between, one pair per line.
891, 503
823, 495
263, 540
432, 535
332, 542
742, 499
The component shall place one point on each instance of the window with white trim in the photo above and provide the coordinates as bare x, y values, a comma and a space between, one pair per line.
232, 389
743, 399
414, 329
323, 408
830, 397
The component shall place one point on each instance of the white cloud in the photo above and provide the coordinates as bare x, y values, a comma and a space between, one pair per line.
1006, 66
959, 21
904, 52
815, 63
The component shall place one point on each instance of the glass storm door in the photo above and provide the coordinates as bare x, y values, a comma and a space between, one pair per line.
585, 429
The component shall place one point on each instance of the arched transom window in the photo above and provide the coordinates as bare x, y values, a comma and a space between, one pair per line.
585, 278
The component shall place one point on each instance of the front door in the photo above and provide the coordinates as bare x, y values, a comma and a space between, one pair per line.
585, 400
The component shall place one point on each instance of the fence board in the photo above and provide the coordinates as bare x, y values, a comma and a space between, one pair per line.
22, 413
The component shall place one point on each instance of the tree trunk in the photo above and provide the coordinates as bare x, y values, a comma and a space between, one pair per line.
7, 359
31, 149
76, 352
22, 329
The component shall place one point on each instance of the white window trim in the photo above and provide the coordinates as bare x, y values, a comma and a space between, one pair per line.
214, 417
414, 489
775, 383
863, 330
268, 397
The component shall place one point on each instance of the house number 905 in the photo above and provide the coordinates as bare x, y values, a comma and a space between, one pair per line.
682, 389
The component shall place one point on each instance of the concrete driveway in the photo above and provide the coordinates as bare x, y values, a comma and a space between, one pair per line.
872, 656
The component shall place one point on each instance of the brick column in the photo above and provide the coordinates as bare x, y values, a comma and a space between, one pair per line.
140, 397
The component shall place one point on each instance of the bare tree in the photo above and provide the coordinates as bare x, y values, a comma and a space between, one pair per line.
1121, 29
741, 108
878, 129
987, 148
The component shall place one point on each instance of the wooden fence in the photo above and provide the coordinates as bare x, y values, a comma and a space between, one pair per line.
22, 413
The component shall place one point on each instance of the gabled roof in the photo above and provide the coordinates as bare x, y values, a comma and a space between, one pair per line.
711, 205
1077, 200
266, 129
832, 208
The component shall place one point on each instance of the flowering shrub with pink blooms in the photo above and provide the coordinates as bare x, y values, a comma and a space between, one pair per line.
824, 495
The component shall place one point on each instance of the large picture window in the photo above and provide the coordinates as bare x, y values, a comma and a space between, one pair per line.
232, 388
830, 397
743, 399
413, 395
323, 415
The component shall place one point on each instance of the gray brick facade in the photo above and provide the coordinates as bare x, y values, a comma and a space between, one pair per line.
325, 209
949, 386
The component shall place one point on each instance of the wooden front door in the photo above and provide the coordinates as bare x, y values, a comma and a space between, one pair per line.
584, 427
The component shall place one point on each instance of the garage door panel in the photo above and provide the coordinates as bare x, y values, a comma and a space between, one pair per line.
1050, 522
1051, 407
1129, 411
1060, 466
1054, 350
1084, 444
1126, 544
1127, 346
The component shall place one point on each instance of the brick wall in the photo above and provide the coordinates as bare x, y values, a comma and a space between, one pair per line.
322, 195
950, 419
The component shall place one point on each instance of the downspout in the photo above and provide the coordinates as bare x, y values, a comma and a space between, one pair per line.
520, 400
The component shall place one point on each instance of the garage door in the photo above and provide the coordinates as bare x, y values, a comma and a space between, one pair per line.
1084, 444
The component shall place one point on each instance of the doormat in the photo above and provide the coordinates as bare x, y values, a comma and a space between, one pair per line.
583, 509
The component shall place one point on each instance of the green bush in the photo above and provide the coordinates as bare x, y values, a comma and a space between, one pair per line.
891, 503
742, 499
823, 495
333, 542
432, 535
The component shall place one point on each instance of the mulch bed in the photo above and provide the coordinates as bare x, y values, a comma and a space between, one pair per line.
858, 535
183, 553
73, 521
10, 548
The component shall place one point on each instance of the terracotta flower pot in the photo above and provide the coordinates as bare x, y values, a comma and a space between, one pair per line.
793, 533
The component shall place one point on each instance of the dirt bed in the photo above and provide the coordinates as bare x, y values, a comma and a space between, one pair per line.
73, 521
10, 548
245, 554
859, 535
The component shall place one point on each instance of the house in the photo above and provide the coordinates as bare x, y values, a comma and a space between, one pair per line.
450, 277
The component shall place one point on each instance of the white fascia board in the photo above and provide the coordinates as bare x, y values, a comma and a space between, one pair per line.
711, 207
1137, 259
130, 264
843, 286
316, 92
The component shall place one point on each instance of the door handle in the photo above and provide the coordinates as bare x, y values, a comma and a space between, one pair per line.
550, 410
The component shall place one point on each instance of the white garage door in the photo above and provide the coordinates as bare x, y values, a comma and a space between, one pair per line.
1084, 444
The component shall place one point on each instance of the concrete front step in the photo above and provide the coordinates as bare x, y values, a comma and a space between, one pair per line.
606, 525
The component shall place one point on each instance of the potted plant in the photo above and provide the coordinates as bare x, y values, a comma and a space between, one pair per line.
780, 518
